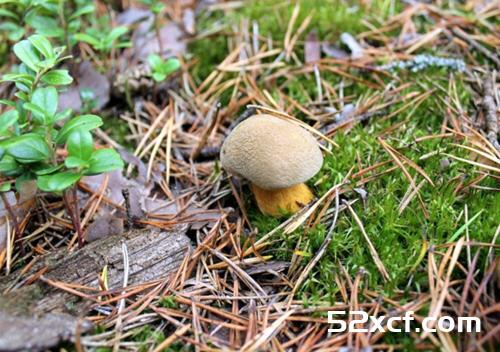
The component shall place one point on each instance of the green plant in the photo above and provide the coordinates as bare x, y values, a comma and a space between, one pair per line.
156, 7
58, 19
13, 13
161, 69
104, 41
32, 130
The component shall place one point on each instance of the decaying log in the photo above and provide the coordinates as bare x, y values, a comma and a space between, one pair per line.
51, 315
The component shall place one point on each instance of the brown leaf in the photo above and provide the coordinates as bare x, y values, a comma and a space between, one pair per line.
114, 191
87, 78
133, 15
143, 204
146, 42
104, 226
130, 158
21, 207
3, 234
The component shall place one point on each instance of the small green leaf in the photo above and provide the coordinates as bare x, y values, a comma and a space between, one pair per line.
83, 122
50, 5
74, 162
170, 66
44, 169
5, 187
22, 87
57, 182
63, 115
84, 37
47, 64
7, 13
14, 31
22, 96
9, 166
82, 11
27, 54
159, 76
7, 119
16, 34
104, 160
8, 102
80, 144
47, 99
39, 114
117, 32
57, 78
126, 44
155, 61
43, 45
28, 148
18, 78
45, 25
157, 7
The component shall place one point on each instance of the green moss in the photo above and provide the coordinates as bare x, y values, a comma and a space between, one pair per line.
149, 336
117, 130
399, 239
168, 302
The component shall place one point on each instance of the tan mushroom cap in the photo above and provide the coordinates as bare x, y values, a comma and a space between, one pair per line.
270, 152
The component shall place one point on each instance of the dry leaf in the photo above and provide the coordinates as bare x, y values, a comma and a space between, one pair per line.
21, 206
145, 41
89, 79
104, 226
133, 15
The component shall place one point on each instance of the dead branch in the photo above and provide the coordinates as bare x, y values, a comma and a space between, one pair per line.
51, 314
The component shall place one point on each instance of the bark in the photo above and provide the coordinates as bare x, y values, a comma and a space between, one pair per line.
38, 316
490, 110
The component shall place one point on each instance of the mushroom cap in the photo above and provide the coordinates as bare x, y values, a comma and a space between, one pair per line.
270, 152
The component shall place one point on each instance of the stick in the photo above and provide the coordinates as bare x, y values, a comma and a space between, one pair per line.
490, 110
13, 216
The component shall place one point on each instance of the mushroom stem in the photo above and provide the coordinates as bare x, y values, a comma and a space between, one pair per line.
283, 201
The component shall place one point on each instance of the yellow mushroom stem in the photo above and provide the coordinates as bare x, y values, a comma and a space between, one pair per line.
279, 202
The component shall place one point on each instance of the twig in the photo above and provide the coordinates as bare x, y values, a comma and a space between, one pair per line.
76, 214
129, 217
490, 109
171, 339
462, 35
373, 251
321, 250
71, 212
249, 111
13, 216
206, 132
121, 303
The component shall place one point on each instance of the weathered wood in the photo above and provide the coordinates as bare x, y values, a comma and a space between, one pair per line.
152, 255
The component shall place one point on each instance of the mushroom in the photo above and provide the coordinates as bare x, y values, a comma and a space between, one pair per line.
277, 157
